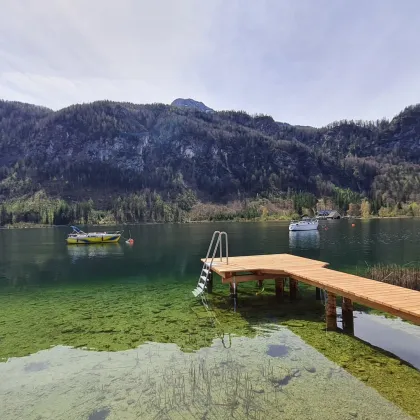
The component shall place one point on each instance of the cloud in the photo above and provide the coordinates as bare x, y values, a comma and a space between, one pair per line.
306, 62
57, 92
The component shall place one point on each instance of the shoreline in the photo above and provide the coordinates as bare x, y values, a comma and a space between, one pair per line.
21, 225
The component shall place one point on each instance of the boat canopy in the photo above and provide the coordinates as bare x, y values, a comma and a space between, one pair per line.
76, 229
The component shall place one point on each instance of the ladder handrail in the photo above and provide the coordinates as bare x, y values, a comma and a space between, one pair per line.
211, 243
226, 246
219, 244
215, 250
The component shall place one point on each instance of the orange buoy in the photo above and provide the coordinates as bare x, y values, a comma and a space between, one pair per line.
353, 225
130, 241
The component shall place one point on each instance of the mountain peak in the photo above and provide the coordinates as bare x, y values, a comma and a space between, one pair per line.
191, 103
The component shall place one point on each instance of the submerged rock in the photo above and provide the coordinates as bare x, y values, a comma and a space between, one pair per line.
277, 382
101, 414
276, 350
36, 366
293, 324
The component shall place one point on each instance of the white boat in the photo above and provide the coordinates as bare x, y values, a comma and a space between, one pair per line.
305, 224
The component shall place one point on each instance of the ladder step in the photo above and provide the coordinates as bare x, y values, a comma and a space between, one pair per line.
205, 271
204, 278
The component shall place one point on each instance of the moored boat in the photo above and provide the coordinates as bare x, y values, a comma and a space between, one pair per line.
305, 224
80, 237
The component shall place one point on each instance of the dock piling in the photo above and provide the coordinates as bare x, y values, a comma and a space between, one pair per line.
331, 312
347, 315
318, 293
279, 281
293, 286
233, 290
233, 294
210, 283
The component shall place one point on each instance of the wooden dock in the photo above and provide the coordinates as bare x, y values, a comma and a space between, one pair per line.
395, 300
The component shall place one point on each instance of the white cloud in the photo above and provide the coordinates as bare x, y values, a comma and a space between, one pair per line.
307, 62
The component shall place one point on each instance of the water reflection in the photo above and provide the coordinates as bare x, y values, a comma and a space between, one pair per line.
393, 335
77, 252
304, 240
158, 381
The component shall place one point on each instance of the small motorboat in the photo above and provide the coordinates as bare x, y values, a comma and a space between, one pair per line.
305, 224
80, 237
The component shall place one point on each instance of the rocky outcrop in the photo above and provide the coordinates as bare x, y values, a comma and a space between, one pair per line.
191, 103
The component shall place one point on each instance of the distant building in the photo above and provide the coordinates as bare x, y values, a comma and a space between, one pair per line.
328, 214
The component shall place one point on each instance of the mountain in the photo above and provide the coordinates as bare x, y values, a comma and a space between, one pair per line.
190, 103
105, 151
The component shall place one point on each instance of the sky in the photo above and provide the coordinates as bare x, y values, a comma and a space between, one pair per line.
307, 62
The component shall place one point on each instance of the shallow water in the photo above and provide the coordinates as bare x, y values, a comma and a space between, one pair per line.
392, 335
158, 381
117, 297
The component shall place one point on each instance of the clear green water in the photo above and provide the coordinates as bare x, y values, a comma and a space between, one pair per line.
136, 301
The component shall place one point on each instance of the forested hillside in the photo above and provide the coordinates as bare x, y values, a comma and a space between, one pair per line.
126, 162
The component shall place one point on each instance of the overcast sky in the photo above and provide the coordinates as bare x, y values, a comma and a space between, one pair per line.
303, 62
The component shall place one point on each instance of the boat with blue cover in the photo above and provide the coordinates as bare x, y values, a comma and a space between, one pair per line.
79, 237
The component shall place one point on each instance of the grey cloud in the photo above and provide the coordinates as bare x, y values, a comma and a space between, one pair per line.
305, 62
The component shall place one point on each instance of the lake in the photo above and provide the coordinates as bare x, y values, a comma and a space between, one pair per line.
156, 352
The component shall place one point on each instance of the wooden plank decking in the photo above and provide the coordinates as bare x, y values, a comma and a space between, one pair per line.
395, 300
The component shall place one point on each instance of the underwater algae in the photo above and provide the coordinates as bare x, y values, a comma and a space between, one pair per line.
123, 316
110, 318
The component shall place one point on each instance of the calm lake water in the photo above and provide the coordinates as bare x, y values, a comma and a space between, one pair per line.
41, 258
275, 374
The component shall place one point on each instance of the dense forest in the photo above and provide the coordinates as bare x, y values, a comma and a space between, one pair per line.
108, 162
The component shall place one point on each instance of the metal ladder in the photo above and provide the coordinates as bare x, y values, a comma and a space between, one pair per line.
208, 262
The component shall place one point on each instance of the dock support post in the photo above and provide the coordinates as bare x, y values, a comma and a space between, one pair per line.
318, 293
293, 286
279, 287
260, 284
233, 294
210, 283
331, 310
347, 315
233, 290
